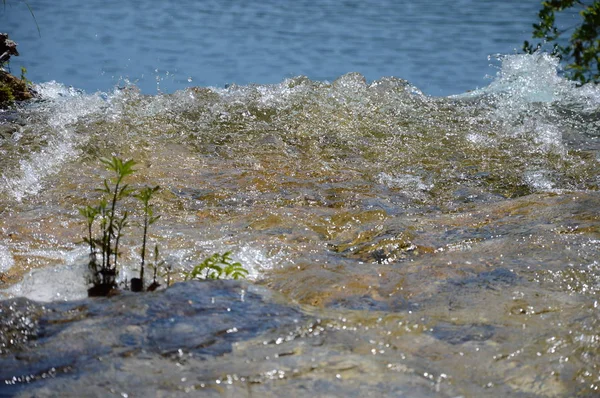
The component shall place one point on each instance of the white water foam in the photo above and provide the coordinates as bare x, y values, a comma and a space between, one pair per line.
52, 284
65, 282
64, 107
530, 78
255, 260
6, 259
411, 185
539, 180
526, 97
53, 90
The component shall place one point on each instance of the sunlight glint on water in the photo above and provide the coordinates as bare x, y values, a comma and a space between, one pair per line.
415, 225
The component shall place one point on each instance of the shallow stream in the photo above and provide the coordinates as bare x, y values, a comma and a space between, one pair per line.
408, 245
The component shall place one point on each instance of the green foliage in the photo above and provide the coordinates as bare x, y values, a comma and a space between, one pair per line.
217, 266
581, 52
90, 214
112, 223
105, 270
158, 267
24, 78
7, 98
144, 196
105, 226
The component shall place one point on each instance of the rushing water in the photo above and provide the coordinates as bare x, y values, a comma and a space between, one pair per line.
440, 46
433, 246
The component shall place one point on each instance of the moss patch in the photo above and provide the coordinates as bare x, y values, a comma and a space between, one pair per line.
12, 89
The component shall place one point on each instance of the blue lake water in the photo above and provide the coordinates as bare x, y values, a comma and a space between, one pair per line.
442, 47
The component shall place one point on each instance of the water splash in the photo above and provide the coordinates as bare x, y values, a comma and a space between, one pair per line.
256, 261
62, 108
6, 259
60, 122
62, 283
529, 78
348, 143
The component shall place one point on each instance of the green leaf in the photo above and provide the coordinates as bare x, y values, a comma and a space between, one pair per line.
581, 54
218, 266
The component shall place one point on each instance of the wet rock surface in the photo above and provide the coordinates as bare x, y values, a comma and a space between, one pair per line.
221, 338
458, 334
17, 87
199, 318
11, 87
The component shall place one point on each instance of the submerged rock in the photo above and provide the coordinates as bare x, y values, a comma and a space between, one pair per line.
496, 279
68, 339
458, 334
224, 338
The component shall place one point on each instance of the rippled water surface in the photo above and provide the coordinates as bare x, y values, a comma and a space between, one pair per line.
409, 244
440, 46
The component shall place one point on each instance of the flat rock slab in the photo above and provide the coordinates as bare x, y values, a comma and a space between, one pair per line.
218, 338
41, 342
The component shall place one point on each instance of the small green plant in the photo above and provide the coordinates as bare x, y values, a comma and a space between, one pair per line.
144, 196
105, 225
217, 266
104, 270
90, 214
24, 78
156, 266
168, 271
111, 222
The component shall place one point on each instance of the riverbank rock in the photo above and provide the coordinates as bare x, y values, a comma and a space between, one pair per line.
8, 48
12, 88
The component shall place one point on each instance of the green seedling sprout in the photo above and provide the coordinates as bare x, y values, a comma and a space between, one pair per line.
144, 196
24, 78
120, 224
217, 266
156, 266
167, 273
103, 223
115, 193
111, 225
90, 214
235, 270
